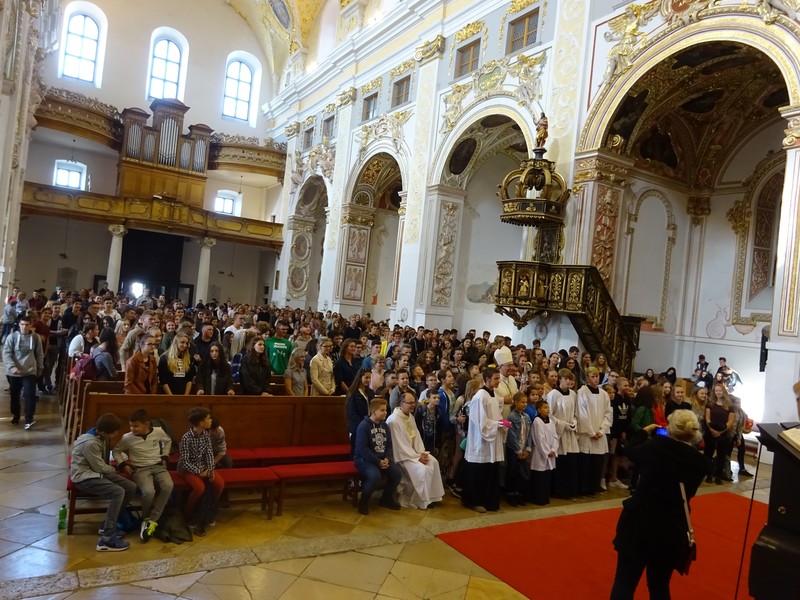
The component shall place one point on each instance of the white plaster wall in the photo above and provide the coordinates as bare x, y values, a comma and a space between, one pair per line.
254, 199
41, 240
101, 166
213, 32
752, 151
380, 270
484, 241
244, 286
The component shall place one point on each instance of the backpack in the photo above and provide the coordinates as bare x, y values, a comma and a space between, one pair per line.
85, 368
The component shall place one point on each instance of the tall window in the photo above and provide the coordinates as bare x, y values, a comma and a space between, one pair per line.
83, 42
228, 202
400, 91
308, 138
238, 88
166, 69
370, 108
522, 31
70, 174
166, 74
467, 58
242, 85
327, 127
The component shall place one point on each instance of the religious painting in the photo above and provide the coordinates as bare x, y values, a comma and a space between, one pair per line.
353, 282
357, 245
281, 12
67, 278
301, 247
297, 279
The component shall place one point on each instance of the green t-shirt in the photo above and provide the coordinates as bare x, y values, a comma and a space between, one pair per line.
279, 350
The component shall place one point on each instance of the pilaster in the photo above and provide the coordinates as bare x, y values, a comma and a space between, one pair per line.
356, 227
299, 240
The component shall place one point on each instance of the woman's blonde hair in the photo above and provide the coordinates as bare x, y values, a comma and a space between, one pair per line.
683, 426
173, 354
726, 399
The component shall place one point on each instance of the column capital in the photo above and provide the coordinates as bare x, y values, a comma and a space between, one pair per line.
117, 230
698, 207
208, 242
429, 50
792, 116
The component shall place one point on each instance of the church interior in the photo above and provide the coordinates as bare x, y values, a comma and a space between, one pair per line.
634, 166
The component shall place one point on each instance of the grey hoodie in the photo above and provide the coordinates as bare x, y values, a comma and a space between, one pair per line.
23, 352
90, 455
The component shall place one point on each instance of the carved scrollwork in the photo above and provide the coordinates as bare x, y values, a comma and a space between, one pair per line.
445, 254
387, 126
346, 97
430, 49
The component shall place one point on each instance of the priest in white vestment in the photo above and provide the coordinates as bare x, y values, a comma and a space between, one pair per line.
422, 481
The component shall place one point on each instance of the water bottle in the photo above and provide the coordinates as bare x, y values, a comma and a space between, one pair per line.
62, 517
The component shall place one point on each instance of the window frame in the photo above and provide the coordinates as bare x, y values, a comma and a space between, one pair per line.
176, 37
235, 198
369, 107
527, 18
397, 100
308, 138
329, 128
70, 166
93, 12
474, 45
254, 65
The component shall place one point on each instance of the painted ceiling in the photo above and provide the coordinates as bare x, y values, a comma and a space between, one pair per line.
686, 116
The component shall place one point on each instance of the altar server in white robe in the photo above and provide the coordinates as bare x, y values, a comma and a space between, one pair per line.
594, 423
422, 480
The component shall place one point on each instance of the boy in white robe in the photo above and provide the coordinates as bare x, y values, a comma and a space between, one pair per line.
422, 481
594, 422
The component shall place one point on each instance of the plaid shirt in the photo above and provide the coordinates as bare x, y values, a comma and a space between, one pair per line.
196, 453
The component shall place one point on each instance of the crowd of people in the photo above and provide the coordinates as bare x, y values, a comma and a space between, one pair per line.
430, 411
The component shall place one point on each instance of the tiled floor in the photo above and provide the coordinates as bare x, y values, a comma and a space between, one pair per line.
319, 548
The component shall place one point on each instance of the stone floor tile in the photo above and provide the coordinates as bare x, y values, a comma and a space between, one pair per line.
445, 582
395, 588
484, 589
413, 577
306, 589
292, 566
120, 592
171, 585
27, 528
24, 562
350, 569
202, 591
315, 527
264, 584
387, 551
29, 496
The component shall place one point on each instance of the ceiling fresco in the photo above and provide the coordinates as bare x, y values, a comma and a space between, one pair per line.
686, 115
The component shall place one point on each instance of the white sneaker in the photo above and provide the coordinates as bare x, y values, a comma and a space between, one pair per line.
617, 484
603, 485
29, 425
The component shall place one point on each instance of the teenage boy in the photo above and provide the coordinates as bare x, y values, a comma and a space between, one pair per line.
372, 456
24, 361
142, 453
90, 472
196, 464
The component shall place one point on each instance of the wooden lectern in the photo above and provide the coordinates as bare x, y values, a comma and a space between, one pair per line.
775, 557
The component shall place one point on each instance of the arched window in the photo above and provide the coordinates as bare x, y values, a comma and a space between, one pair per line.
228, 202
83, 42
168, 59
70, 174
242, 83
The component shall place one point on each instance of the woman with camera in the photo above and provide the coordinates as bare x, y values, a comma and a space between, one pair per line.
652, 531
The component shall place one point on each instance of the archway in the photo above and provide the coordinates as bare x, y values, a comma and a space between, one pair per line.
679, 166
307, 225
370, 257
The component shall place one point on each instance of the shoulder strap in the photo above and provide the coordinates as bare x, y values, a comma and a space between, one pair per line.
690, 532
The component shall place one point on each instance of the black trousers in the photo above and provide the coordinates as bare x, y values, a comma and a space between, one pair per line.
629, 572
565, 477
722, 446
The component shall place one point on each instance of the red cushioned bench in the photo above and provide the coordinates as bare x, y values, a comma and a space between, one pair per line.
341, 471
74, 494
261, 478
280, 455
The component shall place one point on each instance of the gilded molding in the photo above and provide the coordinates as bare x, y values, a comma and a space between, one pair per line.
387, 126
81, 116
117, 230
344, 3
372, 85
346, 97
402, 68
447, 239
159, 214
293, 47
469, 30
519, 5
329, 108
247, 158
792, 132
698, 208
310, 121
292, 129
431, 49
600, 169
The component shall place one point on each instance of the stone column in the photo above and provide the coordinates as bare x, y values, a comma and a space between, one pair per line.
417, 238
447, 209
783, 364
115, 256
598, 200
328, 285
203, 269
298, 233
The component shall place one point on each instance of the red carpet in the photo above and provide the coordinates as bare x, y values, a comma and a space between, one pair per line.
572, 557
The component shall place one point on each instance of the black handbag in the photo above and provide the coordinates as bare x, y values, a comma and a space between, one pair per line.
690, 554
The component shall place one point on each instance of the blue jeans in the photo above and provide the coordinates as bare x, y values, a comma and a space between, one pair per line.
371, 476
24, 385
115, 488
